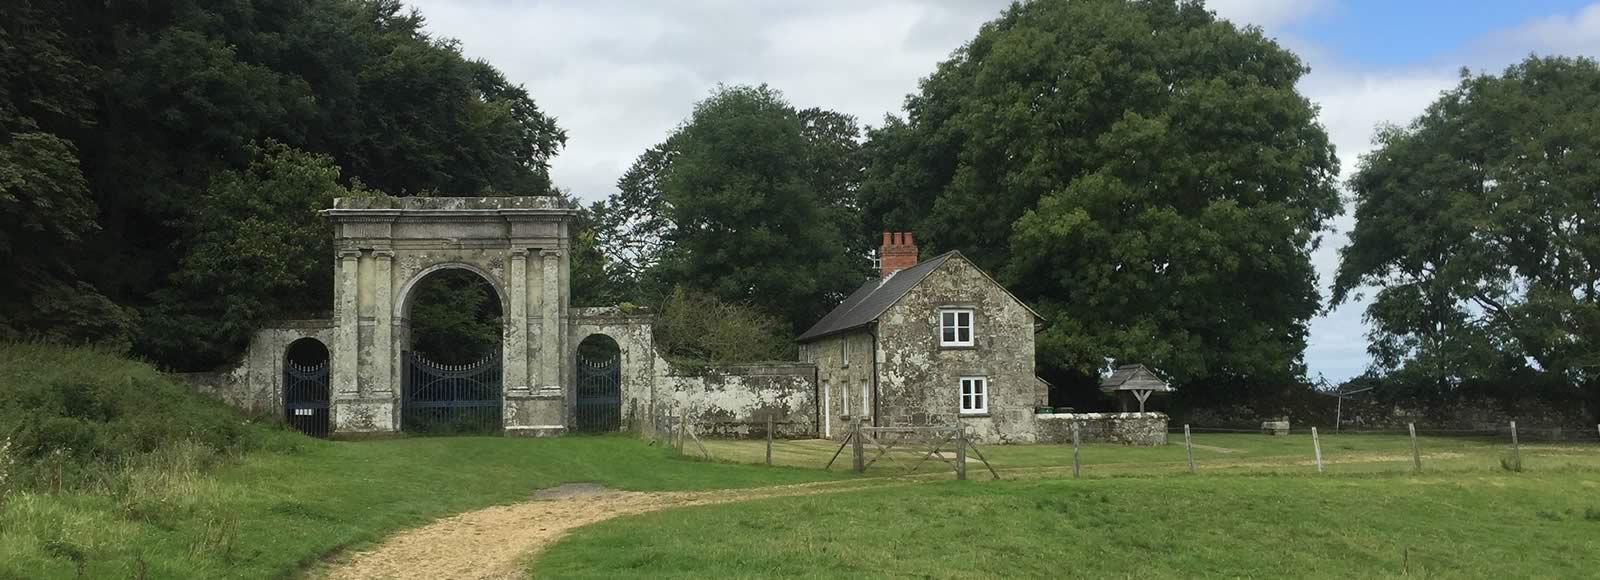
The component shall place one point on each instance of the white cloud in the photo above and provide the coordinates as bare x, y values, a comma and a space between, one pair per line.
1267, 13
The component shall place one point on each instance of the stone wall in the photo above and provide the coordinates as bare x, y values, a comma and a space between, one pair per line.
919, 382
1125, 428
735, 401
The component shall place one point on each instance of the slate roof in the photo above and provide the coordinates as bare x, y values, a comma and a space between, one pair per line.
1134, 377
870, 301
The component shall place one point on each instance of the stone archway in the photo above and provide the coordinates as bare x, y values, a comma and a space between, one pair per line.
386, 245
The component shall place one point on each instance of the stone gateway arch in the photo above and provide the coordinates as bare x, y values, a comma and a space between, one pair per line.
546, 380
387, 245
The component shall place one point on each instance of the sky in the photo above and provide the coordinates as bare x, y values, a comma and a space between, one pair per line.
619, 75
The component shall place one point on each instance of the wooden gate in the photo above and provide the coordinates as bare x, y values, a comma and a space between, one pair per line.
599, 394
305, 397
451, 399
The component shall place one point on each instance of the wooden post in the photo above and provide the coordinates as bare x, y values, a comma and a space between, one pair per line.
769, 439
1188, 447
961, 454
860, 463
1516, 448
1076, 443
683, 427
1316, 445
1416, 455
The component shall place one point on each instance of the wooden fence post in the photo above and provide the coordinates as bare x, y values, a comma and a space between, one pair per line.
1516, 448
961, 454
1316, 445
1076, 443
1188, 447
769, 439
1416, 455
860, 464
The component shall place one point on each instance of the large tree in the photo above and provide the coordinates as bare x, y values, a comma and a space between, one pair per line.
1478, 224
1143, 172
119, 120
751, 201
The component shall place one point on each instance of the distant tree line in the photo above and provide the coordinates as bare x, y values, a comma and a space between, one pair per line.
1144, 174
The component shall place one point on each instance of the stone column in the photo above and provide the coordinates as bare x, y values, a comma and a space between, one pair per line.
550, 323
515, 333
383, 355
347, 346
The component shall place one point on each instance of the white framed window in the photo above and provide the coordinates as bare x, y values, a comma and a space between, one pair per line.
844, 396
866, 402
955, 327
844, 352
974, 395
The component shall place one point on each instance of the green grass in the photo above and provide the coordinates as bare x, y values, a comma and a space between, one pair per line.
274, 513
1484, 525
160, 482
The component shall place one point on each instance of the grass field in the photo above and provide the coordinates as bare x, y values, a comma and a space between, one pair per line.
163, 483
1459, 525
273, 513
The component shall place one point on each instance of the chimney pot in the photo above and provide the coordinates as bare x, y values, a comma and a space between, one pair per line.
899, 252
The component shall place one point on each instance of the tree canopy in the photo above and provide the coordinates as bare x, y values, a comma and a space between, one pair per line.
133, 131
1142, 172
751, 201
1478, 228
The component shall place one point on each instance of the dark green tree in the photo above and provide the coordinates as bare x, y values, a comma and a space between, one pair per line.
1144, 173
1478, 226
257, 249
120, 118
46, 207
751, 201
456, 317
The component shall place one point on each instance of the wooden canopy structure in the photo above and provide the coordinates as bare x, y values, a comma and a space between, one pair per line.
1136, 381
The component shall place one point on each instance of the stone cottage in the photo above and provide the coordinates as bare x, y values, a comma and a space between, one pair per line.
927, 343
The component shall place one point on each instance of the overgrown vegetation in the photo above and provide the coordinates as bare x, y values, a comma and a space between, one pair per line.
695, 329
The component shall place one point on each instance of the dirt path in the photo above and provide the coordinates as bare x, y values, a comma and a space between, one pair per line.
496, 543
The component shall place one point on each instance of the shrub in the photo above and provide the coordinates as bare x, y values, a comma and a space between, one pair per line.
693, 329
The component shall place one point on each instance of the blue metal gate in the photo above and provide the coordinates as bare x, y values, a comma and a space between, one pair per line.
451, 399
599, 394
305, 397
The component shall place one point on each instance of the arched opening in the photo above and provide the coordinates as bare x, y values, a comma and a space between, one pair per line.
451, 328
305, 386
599, 404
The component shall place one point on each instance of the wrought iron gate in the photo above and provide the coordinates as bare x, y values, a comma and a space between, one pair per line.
444, 399
599, 394
305, 397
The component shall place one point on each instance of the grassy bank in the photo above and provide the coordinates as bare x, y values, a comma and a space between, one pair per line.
1484, 525
160, 483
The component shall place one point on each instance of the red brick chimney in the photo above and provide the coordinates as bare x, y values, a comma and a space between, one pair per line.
898, 253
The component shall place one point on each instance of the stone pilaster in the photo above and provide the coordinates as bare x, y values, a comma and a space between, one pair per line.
550, 323
346, 346
515, 333
383, 354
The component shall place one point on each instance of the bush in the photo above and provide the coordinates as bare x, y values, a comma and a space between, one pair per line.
696, 329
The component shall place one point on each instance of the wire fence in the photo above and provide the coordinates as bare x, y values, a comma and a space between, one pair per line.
1189, 448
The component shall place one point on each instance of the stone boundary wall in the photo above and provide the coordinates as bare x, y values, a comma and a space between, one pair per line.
735, 400
1126, 428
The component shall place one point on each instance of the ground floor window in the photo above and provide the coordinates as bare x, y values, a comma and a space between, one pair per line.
974, 395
